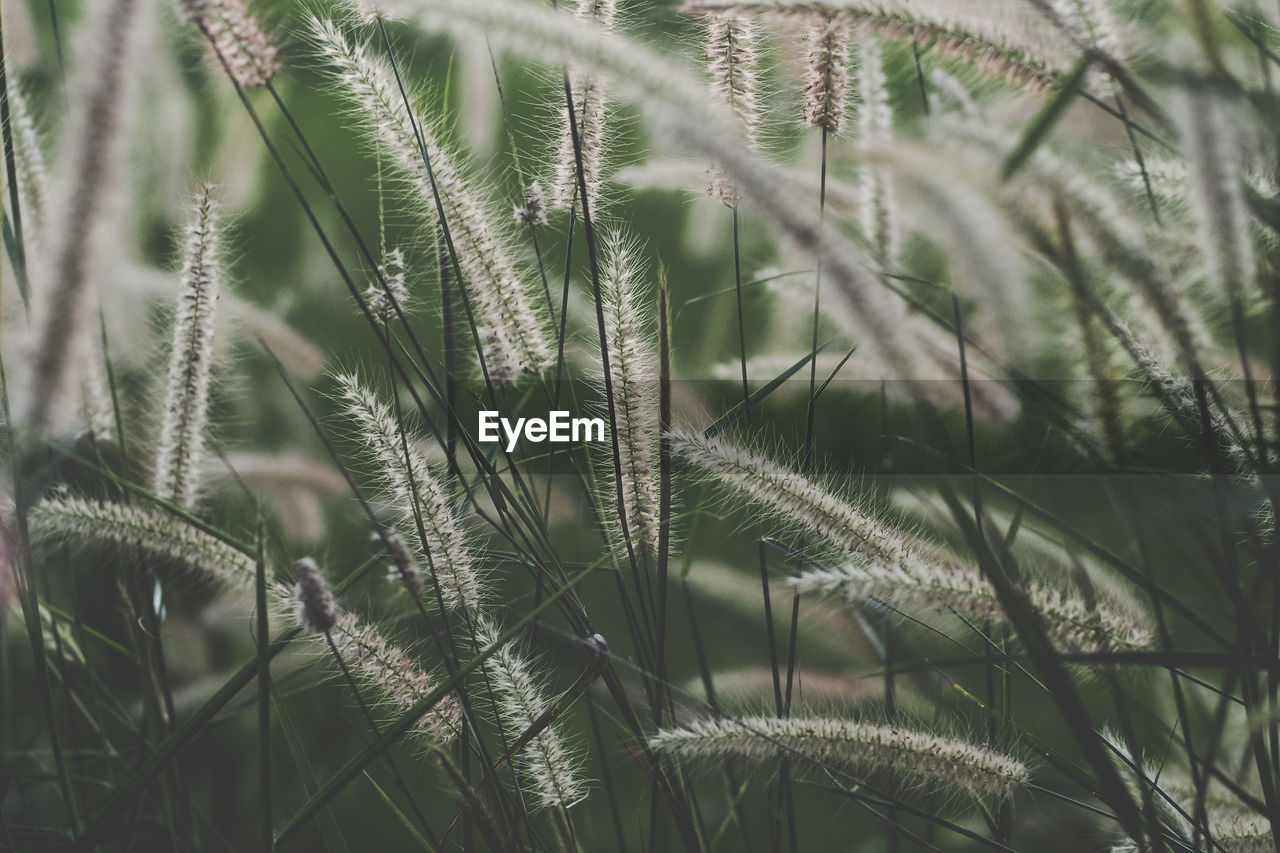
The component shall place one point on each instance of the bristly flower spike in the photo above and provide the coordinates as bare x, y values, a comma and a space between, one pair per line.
827, 80
533, 213
316, 609
731, 59
875, 125
180, 456
633, 370
907, 758
589, 113
102, 96
404, 568
236, 37
383, 296
548, 765
415, 493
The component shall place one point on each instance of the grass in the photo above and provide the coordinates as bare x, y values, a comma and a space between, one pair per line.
935, 510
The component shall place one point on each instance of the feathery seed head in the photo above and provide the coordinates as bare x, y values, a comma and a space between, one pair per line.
142, 534
29, 161
731, 59
633, 373
889, 565
1210, 142
102, 101
899, 755
236, 37
383, 296
394, 674
875, 125
590, 109
316, 609
533, 213
827, 79
370, 12
403, 567
415, 493
550, 767
180, 453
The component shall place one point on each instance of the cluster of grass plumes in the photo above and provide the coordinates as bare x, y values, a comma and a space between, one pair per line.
877, 561
1009, 265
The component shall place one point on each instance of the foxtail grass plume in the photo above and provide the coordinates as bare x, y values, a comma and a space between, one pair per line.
827, 76
140, 534
404, 568
875, 125
370, 657
29, 161
389, 292
533, 214
1092, 22
181, 449
394, 676
589, 114
893, 567
1210, 143
315, 608
891, 754
513, 334
236, 38
551, 770
416, 494
731, 59
64, 298
633, 370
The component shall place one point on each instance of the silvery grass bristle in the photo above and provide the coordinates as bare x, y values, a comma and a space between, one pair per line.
181, 447
880, 215
590, 105
1209, 136
550, 767
29, 160
906, 758
1006, 39
389, 291
1092, 22
633, 370
827, 75
235, 36
67, 271
415, 493
732, 59
513, 332
884, 563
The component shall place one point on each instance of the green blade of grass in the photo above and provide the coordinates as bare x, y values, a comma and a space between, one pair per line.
730, 417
